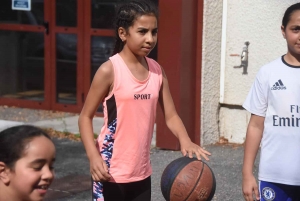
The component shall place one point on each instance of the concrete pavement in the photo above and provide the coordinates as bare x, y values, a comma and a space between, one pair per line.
69, 124
226, 163
6, 124
72, 181
64, 124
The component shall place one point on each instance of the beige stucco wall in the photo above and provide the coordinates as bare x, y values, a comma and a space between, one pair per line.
233, 124
256, 21
211, 53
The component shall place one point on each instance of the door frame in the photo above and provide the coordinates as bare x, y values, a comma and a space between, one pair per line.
49, 102
88, 33
45, 104
78, 30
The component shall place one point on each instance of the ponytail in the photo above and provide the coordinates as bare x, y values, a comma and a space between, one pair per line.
118, 45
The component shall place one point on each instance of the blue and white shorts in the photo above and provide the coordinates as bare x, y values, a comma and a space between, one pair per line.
278, 192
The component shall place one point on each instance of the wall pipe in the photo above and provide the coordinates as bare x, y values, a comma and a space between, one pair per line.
223, 51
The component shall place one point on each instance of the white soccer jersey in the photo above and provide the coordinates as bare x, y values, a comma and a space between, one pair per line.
275, 95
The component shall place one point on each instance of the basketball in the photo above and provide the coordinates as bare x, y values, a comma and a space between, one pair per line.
188, 179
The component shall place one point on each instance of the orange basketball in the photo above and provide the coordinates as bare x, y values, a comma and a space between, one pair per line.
188, 179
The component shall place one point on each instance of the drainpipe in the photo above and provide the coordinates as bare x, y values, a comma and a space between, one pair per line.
223, 51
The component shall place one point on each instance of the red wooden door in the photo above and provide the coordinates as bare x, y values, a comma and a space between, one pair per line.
25, 56
41, 52
184, 72
99, 38
67, 65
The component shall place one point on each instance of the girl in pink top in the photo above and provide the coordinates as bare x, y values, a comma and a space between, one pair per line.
129, 86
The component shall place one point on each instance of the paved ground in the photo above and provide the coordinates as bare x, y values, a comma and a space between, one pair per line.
72, 181
226, 162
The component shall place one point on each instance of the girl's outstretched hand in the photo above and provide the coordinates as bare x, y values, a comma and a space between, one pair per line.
188, 148
99, 169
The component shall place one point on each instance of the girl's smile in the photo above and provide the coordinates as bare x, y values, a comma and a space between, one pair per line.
33, 173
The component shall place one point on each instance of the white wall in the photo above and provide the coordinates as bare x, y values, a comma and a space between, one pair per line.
256, 21
211, 52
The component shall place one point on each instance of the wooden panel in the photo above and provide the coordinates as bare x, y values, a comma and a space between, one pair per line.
169, 59
68, 30
87, 34
180, 44
102, 32
87, 46
47, 63
21, 27
198, 74
80, 66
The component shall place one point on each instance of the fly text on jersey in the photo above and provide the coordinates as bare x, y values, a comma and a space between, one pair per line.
288, 121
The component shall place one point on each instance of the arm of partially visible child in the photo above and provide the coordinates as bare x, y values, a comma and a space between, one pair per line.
175, 124
99, 89
253, 139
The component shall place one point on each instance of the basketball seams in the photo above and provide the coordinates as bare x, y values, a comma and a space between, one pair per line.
207, 179
212, 192
196, 182
175, 168
185, 179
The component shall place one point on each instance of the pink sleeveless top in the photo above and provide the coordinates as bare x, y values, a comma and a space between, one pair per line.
129, 117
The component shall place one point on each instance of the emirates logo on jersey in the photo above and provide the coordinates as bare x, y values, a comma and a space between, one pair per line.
288, 121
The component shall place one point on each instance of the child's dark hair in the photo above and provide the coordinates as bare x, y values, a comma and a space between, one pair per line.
14, 140
289, 11
128, 13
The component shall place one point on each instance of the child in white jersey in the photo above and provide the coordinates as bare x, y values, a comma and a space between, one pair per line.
274, 103
27, 155
129, 85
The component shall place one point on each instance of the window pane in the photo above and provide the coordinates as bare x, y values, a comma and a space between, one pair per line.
103, 12
22, 65
101, 49
66, 13
33, 17
66, 68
